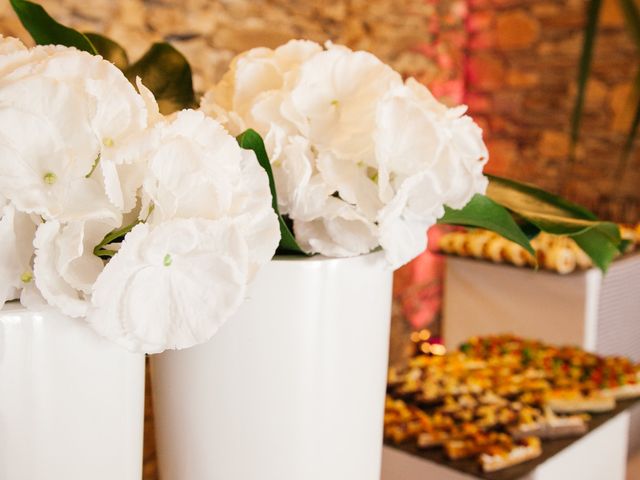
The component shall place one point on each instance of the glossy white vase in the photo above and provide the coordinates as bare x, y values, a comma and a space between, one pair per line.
71, 403
291, 388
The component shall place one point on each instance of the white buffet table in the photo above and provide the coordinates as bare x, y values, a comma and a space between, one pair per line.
600, 454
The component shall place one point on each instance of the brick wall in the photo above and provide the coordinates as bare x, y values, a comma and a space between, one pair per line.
521, 71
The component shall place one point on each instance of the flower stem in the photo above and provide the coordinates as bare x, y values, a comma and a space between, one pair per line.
93, 167
99, 250
103, 252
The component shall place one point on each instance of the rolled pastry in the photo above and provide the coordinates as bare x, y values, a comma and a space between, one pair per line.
458, 243
446, 243
476, 242
560, 259
515, 254
494, 248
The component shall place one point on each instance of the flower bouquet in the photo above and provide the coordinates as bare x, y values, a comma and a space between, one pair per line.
125, 206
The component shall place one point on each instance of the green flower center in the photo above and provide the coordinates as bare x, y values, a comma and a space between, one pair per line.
49, 178
107, 142
335, 103
26, 277
167, 260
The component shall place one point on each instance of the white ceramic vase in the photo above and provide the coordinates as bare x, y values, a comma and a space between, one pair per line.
291, 388
71, 402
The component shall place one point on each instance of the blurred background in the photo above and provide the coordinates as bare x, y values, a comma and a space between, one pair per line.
513, 62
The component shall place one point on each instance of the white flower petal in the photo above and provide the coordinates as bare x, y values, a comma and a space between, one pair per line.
253, 214
153, 110
192, 275
341, 232
16, 249
404, 221
351, 182
10, 45
56, 291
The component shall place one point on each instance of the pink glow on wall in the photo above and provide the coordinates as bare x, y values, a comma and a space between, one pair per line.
417, 286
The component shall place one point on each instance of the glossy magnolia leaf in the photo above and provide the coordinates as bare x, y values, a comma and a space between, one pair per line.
517, 196
165, 72
553, 214
482, 212
546, 211
590, 30
251, 140
46, 31
109, 50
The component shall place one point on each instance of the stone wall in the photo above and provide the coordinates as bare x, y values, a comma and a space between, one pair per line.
419, 38
521, 71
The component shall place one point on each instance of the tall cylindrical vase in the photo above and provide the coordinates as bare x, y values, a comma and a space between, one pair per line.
71, 403
291, 388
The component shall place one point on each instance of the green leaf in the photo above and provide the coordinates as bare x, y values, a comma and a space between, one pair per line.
529, 229
598, 246
104, 253
251, 140
553, 214
558, 225
165, 72
109, 50
46, 31
518, 196
593, 14
482, 212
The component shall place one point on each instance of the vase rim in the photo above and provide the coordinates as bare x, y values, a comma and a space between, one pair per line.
376, 254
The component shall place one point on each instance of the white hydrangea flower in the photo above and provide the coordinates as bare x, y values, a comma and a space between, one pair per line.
197, 170
208, 227
360, 159
171, 285
65, 267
